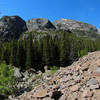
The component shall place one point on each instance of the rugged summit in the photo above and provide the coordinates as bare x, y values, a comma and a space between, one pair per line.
39, 24
67, 24
14, 26
11, 27
80, 81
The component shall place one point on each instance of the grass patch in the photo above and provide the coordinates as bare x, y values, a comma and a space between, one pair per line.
53, 69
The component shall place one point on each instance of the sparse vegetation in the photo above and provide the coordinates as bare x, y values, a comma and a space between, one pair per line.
7, 79
53, 70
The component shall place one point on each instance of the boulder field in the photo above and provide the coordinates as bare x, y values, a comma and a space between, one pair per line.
79, 81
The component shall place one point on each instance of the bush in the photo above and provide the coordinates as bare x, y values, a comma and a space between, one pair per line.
53, 69
7, 79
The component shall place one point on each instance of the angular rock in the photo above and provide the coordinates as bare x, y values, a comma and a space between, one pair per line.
47, 98
40, 93
87, 93
98, 62
74, 88
17, 72
94, 86
96, 96
84, 68
92, 81
97, 70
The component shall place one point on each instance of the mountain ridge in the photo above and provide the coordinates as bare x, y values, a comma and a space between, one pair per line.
13, 26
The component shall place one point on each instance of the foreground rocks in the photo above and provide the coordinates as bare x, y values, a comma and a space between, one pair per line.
80, 81
26, 80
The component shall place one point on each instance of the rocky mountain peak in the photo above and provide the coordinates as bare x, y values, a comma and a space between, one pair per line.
39, 24
67, 24
11, 27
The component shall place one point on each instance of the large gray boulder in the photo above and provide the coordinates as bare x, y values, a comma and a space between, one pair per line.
17, 72
67, 24
39, 24
11, 27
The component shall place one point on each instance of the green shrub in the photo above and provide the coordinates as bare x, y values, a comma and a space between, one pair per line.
82, 53
53, 69
7, 79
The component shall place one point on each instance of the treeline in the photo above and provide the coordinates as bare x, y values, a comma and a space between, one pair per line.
36, 50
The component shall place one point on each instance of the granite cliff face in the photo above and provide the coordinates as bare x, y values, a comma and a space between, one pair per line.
39, 24
11, 27
67, 24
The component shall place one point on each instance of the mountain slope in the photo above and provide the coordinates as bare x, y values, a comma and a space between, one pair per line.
80, 81
11, 27
77, 27
67, 24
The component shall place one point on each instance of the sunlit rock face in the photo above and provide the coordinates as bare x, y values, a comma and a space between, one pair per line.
39, 24
67, 24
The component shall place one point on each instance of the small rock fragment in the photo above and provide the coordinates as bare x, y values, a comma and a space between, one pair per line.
87, 93
92, 81
98, 62
74, 88
41, 93
94, 86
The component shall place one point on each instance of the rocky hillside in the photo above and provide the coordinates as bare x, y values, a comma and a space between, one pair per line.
14, 26
80, 81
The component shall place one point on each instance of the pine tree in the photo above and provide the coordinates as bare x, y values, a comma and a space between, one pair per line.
46, 51
13, 48
29, 52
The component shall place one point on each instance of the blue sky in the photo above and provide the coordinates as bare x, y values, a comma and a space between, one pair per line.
82, 10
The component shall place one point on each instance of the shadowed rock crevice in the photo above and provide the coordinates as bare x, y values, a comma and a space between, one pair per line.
56, 95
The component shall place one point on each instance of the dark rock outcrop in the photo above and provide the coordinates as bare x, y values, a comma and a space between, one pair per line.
67, 24
11, 27
40, 24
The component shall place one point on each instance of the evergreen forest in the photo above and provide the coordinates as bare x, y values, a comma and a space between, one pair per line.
39, 49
